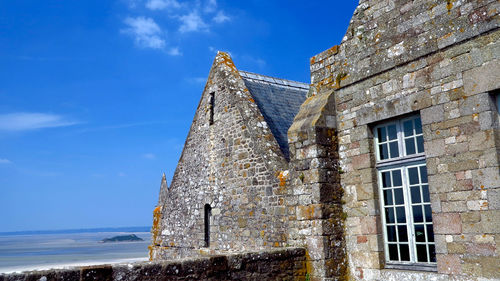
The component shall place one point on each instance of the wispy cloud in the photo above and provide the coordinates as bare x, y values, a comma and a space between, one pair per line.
122, 126
174, 51
24, 121
146, 32
5, 161
122, 174
149, 156
197, 80
192, 22
221, 17
162, 4
210, 6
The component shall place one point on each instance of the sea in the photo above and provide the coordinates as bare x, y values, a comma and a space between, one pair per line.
41, 250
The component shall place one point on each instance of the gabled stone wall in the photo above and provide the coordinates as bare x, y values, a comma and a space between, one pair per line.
439, 59
236, 166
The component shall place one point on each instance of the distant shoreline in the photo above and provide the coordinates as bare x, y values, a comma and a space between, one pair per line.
82, 230
40, 267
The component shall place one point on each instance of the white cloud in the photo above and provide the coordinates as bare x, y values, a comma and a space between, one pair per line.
197, 80
23, 121
174, 51
192, 22
211, 6
146, 32
149, 156
162, 4
5, 161
221, 17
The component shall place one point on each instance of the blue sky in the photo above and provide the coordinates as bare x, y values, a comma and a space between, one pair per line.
96, 97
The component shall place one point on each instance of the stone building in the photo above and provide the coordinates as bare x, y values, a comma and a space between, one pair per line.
391, 166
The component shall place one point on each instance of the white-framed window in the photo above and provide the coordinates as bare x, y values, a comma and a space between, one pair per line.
404, 193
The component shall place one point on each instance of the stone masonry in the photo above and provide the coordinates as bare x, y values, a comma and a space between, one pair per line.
439, 60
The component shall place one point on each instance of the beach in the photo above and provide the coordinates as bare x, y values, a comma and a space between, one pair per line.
27, 252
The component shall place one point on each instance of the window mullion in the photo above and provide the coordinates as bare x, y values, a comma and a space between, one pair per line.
411, 232
384, 226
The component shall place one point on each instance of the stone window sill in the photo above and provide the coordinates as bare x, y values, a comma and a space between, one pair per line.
414, 267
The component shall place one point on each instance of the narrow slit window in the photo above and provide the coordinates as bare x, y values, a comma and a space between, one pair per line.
208, 214
211, 106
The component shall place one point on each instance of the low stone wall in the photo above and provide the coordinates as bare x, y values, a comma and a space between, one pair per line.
281, 264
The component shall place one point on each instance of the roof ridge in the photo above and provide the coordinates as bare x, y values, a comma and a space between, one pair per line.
273, 80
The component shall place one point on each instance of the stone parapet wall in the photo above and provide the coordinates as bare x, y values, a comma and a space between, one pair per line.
280, 264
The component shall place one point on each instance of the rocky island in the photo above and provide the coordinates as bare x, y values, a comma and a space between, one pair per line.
122, 238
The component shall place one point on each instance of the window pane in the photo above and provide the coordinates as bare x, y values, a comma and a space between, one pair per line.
413, 175
408, 128
384, 152
388, 197
389, 215
405, 252
422, 253
428, 213
423, 174
420, 144
396, 177
386, 179
410, 146
394, 149
418, 126
417, 214
402, 233
392, 133
381, 134
398, 195
430, 233
393, 252
415, 194
419, 233
432, 253
425, 191
400, 214
391, 233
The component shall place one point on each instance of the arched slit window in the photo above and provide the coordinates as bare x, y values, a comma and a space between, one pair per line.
208, 213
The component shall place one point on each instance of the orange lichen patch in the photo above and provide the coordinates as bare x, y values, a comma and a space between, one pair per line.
449, 5
172, 244
438, 132
482, 186
462, 29
306, 212
155, 230
282, 176
333, 50
312, 60
225, 108
251, 100
276, 244
262, 233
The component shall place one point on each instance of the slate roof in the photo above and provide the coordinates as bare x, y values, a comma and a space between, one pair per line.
279, 101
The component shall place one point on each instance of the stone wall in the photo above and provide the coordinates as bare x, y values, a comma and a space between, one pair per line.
234, 165
280, 264
439, 59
